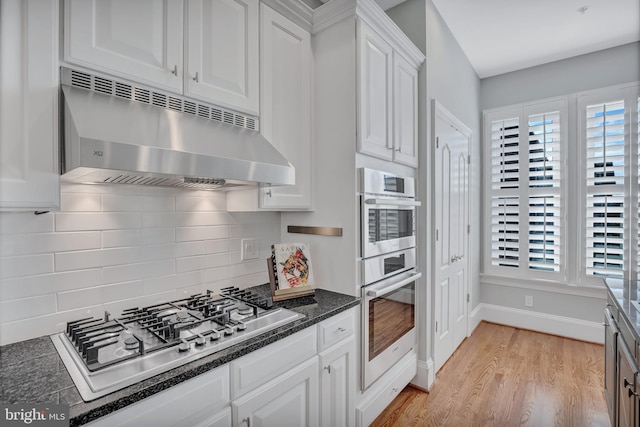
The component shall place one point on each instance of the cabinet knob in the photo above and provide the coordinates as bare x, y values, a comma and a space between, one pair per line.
268, 193
627, 384
341, 329
175, 70
195, 79
328, 369
247, 421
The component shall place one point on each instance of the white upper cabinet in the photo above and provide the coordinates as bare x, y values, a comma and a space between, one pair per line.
29, 105
286, 79
388, 98
405, 111
222, 52
213, 58
376, 59
139, 39
286, 105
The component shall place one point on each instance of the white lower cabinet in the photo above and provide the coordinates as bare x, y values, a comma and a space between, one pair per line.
287, 383
337, 385
201, 401
291, 400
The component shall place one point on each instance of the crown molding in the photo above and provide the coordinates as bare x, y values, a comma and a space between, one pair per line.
369, 12
294, 10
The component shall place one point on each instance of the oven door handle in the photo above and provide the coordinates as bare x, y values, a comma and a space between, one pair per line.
392, 202
388, 289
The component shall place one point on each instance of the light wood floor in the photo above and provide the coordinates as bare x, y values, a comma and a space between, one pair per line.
504, 376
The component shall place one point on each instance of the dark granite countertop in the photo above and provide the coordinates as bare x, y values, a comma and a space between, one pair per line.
32, 372
621, 291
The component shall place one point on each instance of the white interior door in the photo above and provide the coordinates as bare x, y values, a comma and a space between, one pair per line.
451, 214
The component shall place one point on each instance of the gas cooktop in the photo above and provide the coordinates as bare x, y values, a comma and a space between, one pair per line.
105, 355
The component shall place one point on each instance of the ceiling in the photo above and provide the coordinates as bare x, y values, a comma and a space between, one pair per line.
500, 36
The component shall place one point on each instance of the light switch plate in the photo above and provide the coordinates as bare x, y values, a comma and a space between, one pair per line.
249, 249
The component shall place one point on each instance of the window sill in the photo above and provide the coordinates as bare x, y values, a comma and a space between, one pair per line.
545, 285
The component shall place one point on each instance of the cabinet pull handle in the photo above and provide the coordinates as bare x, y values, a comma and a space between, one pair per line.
341, 329
627, 384
175, 70
631, 393
247, 421
268, 193
195, 79
328, 369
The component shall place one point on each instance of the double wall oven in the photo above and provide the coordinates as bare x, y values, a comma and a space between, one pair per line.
389, 276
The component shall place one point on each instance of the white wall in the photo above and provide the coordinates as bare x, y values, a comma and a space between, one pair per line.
115, 247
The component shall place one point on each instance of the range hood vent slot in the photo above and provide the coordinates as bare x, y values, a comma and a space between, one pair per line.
146, 96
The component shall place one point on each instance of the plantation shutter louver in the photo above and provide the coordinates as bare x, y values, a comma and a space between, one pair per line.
505, 183
605, 189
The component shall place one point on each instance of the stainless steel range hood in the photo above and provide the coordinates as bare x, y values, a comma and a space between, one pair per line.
115, 132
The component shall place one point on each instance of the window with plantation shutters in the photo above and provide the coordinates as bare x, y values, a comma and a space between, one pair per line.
605, 188
526, 178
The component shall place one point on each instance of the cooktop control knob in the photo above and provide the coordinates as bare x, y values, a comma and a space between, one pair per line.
228, 330
215, 335
200, 341
241, 326
183, 346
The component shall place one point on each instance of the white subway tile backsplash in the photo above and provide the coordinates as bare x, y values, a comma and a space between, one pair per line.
121, 291
27, 307
128, 272
25, 222
201, 262
44, 325
28, 286
26, 265
158, 204
121, 238
114, 247
66, 261
79, 202
97, 221
186, 234
72, 300
121, 203
24, 244
173, 281
155, 236
214, 203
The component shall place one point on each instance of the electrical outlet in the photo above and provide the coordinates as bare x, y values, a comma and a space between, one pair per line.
528, 301
249, 249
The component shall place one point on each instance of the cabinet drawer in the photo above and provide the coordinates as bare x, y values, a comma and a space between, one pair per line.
262, 365
336, 328
185, 404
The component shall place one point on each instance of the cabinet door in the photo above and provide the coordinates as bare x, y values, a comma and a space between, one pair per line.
610, 364
626, 386
222, 53
285, 89
405, 112
200, 401
375, 84
29, 105
136, 39
337, 385
290, 400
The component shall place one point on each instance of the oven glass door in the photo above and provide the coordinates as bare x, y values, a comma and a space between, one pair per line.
389, 320
391, 316
389, 225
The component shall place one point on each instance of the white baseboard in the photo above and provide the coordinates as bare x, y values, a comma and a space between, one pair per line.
425, 376
583, 330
